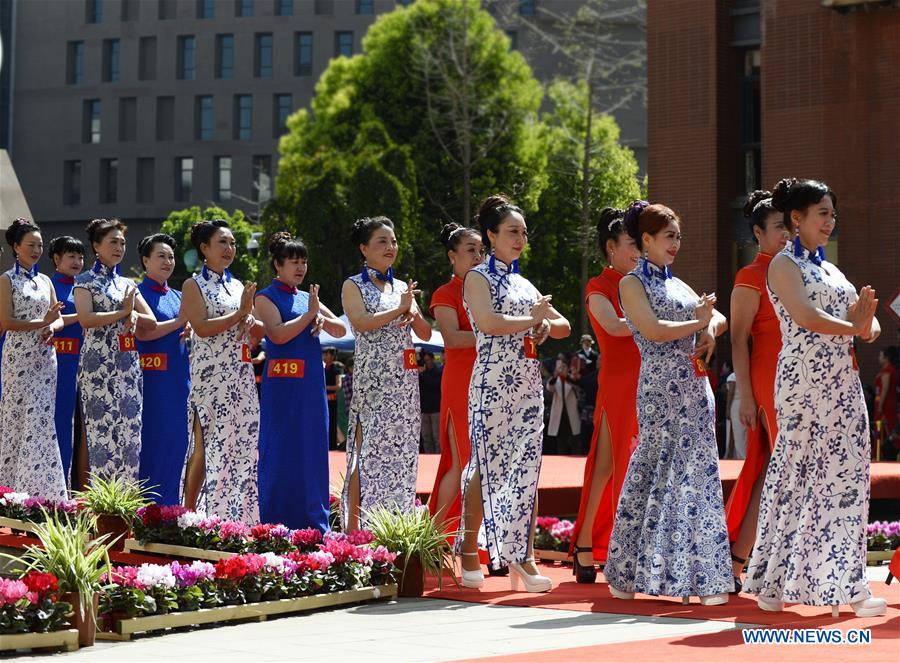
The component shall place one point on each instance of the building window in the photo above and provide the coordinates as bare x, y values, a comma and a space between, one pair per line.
75, 63
513, 39
145, 180
72, 183
324, 7
343, 43
365, 7
282, 107
109, 180
91, 121
165, 118
167, 10
111, 59
186, 57
222, 178
303, 53
129, 10
206, 9
243, 116
203, 117
264, 55
147, 59
262, 178
94, 11
224, 56
184, 178
526, 7
243, 8
284, 7
128, 119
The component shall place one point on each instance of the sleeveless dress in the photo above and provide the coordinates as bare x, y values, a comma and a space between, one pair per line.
110, 382
458, 364
166, 367
385, 407
223, 400
620, 364
506, 419
29, 453
669, 537
811, 533
766, 337
67, 343
293, 433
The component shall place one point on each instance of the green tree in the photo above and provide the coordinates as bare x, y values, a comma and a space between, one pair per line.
179, 223
587, 170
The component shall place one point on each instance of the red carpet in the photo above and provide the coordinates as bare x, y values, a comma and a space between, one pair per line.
559, 488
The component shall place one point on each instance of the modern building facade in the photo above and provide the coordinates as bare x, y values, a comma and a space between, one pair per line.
744, 92
133, 108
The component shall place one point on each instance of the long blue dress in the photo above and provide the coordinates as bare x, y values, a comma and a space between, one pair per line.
166, 366
67, 343
669, 536
293, 437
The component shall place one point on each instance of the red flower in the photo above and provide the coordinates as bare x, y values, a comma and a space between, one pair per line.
237, 567
40, 583
261, 532
306, 537
5, 489
150, 514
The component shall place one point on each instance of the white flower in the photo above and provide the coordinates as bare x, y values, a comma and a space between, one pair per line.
155, 575
14, 498
190, 519
273, 562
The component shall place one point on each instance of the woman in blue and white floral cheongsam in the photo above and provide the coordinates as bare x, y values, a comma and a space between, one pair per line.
385, 419
811, 546
219, 475
29, 456
506, 403
669, 537
110, 380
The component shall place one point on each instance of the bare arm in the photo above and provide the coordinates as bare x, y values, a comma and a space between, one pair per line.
559, 326
744, 306
333, 324
637, 306
604, 313
478, 297
448, 323
144, 320
279, 331
419, 324
162, 329
50, 320
195, 310
357, 314
88, 317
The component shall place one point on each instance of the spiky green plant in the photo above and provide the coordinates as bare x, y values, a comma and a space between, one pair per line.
114, 495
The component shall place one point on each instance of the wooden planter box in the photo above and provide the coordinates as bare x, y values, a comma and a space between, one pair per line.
125, 628
67, 639
17, 525
169, 550
875, 557
552, 556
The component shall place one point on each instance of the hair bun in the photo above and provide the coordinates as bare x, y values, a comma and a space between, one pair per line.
18, 229
754, 199
632, 217
279, 238
782, 192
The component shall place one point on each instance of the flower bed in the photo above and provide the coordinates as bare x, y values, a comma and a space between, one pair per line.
552, 538
32, 614
19, 510
882, 539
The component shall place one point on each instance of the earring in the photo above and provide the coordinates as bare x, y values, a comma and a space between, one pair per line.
798, 248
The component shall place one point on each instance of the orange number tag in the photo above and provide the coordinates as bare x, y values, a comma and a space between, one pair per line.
530, 348
245, 353
853, 356
66, 346
284, 368
155, 361
701, 370
127, 343
409, 359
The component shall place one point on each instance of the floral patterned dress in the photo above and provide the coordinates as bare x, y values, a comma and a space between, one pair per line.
385, 407
506, 419
811, 541
29, 455
110, 381
669, 536
223, 399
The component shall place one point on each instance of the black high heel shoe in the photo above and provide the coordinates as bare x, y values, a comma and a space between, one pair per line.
583, 574
738, 583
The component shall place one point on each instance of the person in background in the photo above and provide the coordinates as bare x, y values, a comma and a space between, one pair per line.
345, 395
587, 354
565, 422
886, 396
332, 384
430, 395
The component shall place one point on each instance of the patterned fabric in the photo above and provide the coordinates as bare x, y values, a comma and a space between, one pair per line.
385, 406
110, 382
29, 455
669, 537
811, 532
506, 420
223, 399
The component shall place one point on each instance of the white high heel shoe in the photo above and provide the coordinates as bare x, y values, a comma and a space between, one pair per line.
619, 594
872, 607
533, 583
769, 605
714, 599
472, 579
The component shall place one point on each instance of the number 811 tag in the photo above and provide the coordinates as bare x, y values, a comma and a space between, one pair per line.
127, 343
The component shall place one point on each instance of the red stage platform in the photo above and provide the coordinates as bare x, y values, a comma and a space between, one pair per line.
561, 477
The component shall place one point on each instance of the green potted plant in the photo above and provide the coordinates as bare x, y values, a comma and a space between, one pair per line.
68, 551
113, 500
421, 543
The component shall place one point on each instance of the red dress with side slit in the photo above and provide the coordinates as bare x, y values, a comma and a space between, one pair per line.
458, 364
620, 364
766, 336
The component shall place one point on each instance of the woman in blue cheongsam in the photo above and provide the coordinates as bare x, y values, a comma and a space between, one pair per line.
166, 368
293, 434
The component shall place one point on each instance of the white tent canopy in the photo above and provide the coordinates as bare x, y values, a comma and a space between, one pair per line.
348, 342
